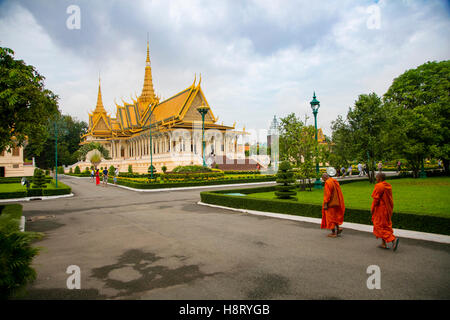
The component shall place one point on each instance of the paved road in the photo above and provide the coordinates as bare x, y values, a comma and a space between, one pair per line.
163, 245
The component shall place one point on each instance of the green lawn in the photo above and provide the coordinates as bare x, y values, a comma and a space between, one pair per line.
11, 187
428, 196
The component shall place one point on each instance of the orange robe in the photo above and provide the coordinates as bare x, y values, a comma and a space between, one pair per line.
334, 216
382, 208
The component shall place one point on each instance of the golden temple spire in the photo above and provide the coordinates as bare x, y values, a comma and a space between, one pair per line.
148, 93
99, 107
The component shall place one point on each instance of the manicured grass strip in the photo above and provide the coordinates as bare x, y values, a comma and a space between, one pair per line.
16, 190
10, 214
418, 196
400, 220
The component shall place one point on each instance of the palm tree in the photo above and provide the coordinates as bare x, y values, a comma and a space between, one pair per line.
95, 157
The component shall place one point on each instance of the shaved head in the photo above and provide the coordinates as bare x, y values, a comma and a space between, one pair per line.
380, 176
325, 176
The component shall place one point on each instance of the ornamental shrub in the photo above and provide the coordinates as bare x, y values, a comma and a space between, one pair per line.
286, 180
17, 253
150, 169
111, 171
77, 170
39, 181
130, 168
164, 169
191, 168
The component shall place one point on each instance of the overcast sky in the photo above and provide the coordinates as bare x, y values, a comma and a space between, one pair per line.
257, 58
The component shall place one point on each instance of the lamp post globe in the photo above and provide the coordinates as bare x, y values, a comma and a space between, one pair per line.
315, 105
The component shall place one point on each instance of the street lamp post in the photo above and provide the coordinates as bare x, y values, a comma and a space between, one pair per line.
315, 104
56, 156
151, 144
422, 173
203, 110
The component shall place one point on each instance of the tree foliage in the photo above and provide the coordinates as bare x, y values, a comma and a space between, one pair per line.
298, 144
69, 132
419, 104
25, 104
362, 135
83, 151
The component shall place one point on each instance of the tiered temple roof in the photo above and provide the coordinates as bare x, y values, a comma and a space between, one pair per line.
178, 111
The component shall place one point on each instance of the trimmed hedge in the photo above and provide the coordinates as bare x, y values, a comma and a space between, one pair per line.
242, 172
19, 179
83, 174
62, 189
400, 220
156, 185
13, 194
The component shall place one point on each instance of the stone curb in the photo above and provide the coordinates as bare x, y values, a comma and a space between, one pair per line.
401, 233
37, 198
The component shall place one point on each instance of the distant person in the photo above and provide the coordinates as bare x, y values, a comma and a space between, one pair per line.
349, 170
97, 177
380, 166
360, 170
333, 207
365, 169
439, 164
92, 174
343, 171
399, 166
382, 208
105, 177
116, 174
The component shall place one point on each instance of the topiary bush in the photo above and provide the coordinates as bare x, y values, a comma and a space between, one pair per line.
191, 168
285, 178
39, 181
130, 168
150, 169
111, 171
77, 170
164, 169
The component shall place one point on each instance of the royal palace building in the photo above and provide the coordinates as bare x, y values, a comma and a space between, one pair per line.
175, 125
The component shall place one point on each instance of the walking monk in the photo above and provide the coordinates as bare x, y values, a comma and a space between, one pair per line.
382, 207
333, 207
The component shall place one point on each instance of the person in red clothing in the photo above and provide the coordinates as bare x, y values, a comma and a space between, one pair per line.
333, 207
382, 208
97, 177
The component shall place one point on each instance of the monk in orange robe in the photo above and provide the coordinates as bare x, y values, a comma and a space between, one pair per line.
333, 207
382, 208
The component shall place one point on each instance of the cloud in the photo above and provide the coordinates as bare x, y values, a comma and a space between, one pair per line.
257, 58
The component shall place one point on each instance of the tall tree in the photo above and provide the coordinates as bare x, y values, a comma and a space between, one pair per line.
25, 104
419, 105
362, 136
69, 132
82, 152
298, 144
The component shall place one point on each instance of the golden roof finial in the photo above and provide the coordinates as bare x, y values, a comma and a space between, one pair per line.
148, 93
99, 107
